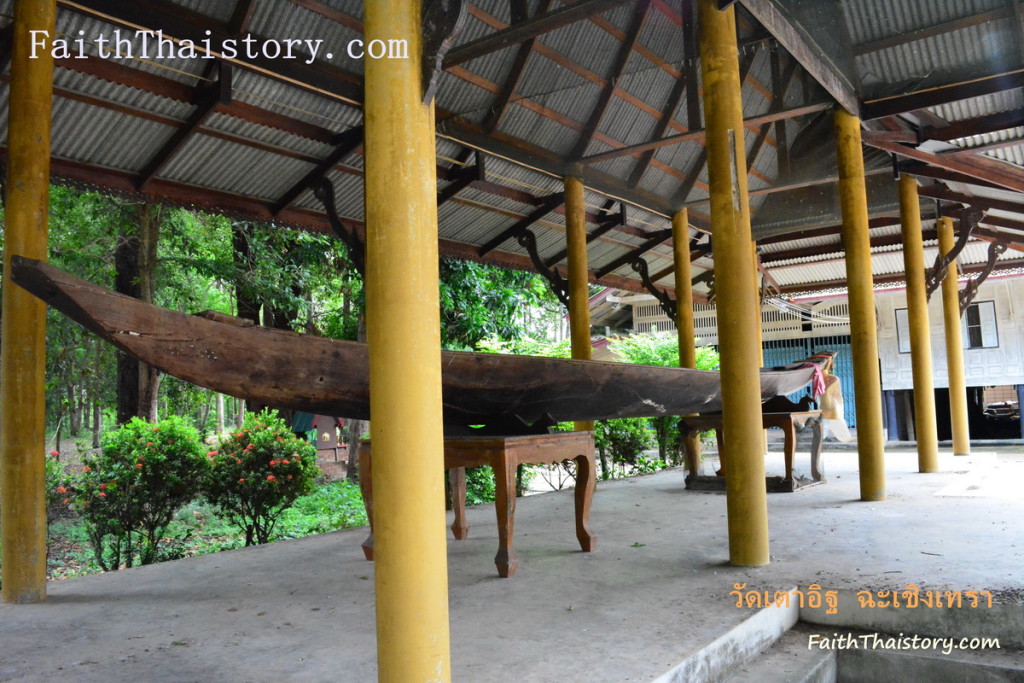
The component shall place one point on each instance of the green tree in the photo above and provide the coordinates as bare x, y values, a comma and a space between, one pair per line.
662, 348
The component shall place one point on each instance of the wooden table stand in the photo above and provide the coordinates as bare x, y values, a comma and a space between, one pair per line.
790, 421
504, 454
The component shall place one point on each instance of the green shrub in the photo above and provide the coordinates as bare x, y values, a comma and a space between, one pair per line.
479, 485
259, 471
623, 439
129, 492
337, 505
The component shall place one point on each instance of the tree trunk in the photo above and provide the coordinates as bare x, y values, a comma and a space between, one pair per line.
135, 261
75, 406
220, 413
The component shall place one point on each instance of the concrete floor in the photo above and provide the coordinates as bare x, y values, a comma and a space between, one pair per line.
654, 592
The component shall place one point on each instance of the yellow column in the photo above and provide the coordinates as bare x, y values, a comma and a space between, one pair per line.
863, 325
954, 346
403, 332
576, 255
684, 317
746, 500
23, 352
920, 335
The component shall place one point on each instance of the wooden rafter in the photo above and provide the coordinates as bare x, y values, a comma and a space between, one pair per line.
347, 142
211, 96
550, 203
655, 239
515, 74
892, 279
698, 134
605, 224
814, 60
922, 170
617, 71
977, 167
773, 259
932, 31
531, 28
944, 94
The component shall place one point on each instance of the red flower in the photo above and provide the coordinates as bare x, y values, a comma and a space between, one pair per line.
238, 461
138, 465
241, 481
271, 477
289, 476
87, 469
286, 462
156, 429
149, 443
238, 435
102, 495
61, 489
273, 463
55, 453
210, 454
67, 500
102, 486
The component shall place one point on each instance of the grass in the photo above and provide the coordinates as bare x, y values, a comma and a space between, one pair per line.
199, 529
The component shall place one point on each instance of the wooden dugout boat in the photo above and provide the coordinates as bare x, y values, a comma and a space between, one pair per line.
509, 394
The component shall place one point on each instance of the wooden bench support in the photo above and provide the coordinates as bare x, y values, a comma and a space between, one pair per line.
504, 454
790, 423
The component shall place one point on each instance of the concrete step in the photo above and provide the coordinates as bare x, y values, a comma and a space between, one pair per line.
936, 665
789, 660
717, 660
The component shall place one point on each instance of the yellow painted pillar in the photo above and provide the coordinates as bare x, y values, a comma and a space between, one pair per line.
920, 334
863, 324
579, 290
954, 346
738, 318
684, 317
403, 332
23, 351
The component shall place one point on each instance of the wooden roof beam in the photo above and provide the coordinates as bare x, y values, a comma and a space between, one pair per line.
531, 28
618, 68
930, 31
348, 142
515, 74
550, 203
945, 194
698, 134
213, 95
894, 278
944, 94
657, 238
805, 51
978, 167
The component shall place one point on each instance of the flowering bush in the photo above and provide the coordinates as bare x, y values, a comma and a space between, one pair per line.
259, 471
128, 493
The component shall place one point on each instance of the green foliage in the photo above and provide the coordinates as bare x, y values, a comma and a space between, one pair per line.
57, 500
129, 492
481, 302
259, 471
479, 485
337, 505
623, 439
662, 348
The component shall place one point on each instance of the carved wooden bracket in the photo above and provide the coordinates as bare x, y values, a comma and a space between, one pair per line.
558, 284
324, 191
934, 277
442, 21
668, 304
995, 249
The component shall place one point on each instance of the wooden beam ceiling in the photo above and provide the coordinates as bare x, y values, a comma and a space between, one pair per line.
943, 94
531, 28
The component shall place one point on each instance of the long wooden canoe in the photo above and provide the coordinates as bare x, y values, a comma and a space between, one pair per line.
331, 377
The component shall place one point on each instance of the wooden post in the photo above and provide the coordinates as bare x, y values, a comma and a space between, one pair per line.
746, 499
954, 346
403, 332
23, 352
867, 382
920, 335
576, 254
684, 318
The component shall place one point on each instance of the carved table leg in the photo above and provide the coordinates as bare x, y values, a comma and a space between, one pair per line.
691, 448
505, 506
457, 478
817, 437
366, 487
586, 479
